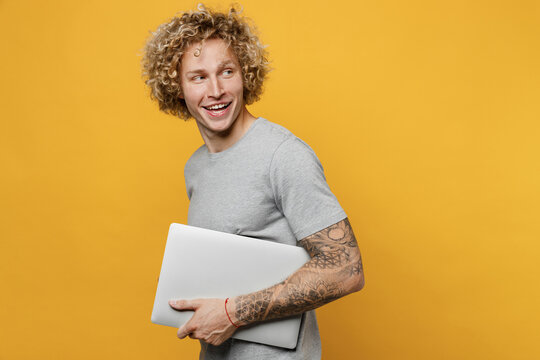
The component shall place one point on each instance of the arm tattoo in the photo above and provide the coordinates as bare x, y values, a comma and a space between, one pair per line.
331, 273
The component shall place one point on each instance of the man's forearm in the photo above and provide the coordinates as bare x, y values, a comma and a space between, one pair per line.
334, 270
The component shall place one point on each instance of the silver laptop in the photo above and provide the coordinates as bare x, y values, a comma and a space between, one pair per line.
202, 263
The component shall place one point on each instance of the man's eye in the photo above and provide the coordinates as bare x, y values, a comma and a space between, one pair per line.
228, 72
198, 77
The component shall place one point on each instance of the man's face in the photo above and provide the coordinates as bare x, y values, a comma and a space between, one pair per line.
212, 85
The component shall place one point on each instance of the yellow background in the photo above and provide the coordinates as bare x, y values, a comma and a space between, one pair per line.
424, 115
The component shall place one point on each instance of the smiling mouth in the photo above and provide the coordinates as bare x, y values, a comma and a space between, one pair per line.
219, 107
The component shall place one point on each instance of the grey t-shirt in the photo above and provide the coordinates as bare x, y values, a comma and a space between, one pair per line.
268, 185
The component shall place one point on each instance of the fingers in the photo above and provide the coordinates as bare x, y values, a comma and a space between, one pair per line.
208, 323
184, 304
193, 332
185, 330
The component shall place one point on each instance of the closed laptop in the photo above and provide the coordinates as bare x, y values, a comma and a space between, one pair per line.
202, 263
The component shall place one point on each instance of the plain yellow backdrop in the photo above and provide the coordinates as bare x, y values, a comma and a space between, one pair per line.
424, 115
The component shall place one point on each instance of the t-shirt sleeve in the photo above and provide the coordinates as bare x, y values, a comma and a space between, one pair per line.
301, 191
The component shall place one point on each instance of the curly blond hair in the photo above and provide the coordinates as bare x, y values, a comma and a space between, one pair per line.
162, 54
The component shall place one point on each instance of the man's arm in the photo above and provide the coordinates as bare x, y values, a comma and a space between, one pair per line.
334, 270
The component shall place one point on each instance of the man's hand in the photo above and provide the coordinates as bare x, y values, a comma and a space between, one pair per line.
209, 322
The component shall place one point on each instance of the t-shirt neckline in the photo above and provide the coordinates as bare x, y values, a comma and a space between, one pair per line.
235, 145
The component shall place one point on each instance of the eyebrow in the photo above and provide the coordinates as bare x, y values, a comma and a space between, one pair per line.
221, 65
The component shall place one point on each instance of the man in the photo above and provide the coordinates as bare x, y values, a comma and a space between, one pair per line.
251, 177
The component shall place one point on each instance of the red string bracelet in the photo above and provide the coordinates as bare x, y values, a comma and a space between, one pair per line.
226, 312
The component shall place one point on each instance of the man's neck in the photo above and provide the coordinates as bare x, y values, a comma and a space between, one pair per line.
217, 142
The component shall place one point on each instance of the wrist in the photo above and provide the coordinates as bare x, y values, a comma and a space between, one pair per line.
230, 308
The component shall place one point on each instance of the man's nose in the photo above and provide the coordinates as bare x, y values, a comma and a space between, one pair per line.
216, 88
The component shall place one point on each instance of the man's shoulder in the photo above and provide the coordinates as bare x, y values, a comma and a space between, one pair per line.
275, 127
272, 135
286, 140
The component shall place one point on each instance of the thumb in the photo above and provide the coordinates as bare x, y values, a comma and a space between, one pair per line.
184, 304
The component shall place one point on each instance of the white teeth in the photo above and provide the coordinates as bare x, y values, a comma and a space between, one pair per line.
215, 107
